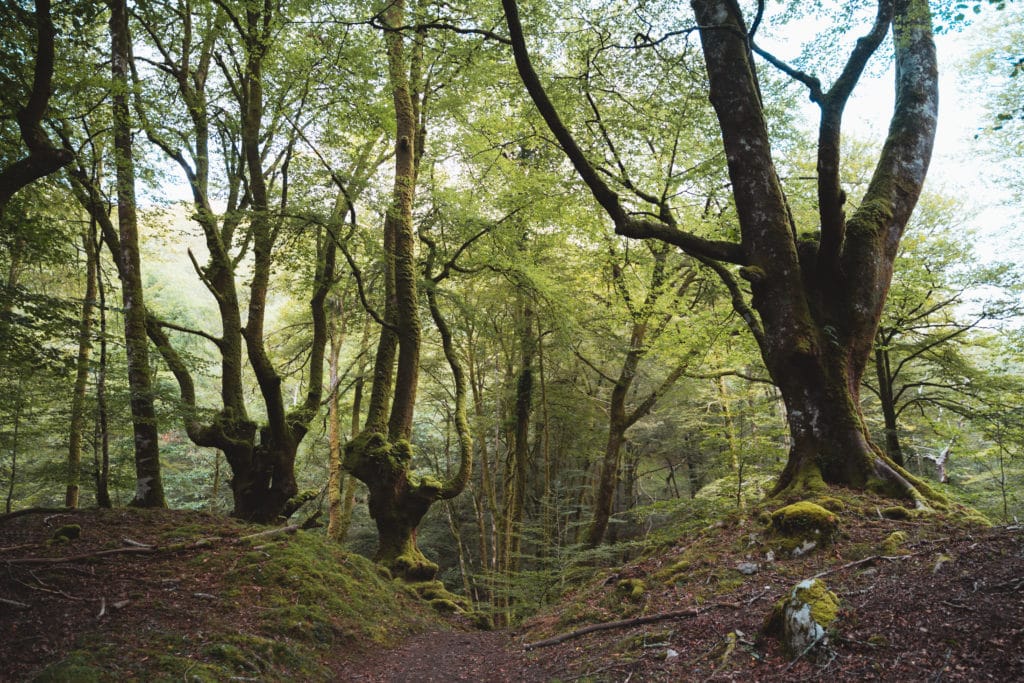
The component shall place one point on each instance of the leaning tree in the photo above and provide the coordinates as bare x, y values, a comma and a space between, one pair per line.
813, 294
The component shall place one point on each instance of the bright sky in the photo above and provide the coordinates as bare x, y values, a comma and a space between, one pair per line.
956, 166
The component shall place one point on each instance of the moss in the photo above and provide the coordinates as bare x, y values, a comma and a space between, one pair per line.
977, 519
806, 484
68, 532
437, 596
898, 512
633, 589
830, 503
445, 606
893, 543
823, 603
805, 520
78, 666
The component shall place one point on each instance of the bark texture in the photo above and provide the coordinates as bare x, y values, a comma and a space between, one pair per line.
43, 157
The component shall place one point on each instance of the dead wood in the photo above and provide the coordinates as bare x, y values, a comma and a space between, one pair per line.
35, 511
638, 621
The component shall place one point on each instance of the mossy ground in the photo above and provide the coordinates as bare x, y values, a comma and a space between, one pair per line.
695, 561
280, 608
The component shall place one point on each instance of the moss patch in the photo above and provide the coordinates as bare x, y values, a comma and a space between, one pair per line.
68, 532
633, 589
803, 526
893, 543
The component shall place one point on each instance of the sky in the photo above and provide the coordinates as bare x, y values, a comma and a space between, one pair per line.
956, 168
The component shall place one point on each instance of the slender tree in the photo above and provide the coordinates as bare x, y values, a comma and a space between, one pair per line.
149, 490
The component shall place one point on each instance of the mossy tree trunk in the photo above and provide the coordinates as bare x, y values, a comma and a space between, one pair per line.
149, 490
815, 302
381, 455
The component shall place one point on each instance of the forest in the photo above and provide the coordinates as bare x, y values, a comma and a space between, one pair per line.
505, 296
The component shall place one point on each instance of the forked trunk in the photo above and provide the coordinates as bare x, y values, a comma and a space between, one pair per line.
397, 502
263, 485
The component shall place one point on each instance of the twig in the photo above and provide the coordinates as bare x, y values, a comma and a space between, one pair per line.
866, 560
637, 621
14, 603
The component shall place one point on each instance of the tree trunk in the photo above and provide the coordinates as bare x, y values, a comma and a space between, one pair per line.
77, 428
43, 158
883, 370
101, 440
380, 456
335, 475
149, 490
815, 303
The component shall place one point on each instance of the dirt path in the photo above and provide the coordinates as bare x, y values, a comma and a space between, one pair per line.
451, 656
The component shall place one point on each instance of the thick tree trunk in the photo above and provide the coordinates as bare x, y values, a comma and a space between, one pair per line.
149, 490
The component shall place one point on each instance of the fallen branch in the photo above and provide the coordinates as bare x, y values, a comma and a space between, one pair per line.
141, 549
637, 621
866, 560
35, 511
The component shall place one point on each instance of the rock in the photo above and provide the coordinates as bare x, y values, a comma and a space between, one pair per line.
747, 568
801, 619
802, 527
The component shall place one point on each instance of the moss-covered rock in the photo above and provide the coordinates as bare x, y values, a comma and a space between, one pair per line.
801, 620
802, 527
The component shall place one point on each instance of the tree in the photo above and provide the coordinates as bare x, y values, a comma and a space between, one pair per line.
815, 300
380, 456
224, 115
942, 299
149, 490
649, 318
44, 158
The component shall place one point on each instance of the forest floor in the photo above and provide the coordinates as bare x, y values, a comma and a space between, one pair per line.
946, 603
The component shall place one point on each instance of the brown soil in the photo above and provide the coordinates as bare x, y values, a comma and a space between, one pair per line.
952, 609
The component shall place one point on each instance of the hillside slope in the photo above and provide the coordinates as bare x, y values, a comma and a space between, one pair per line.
942, 599
187, 596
